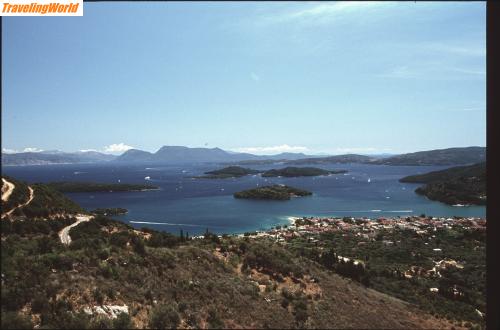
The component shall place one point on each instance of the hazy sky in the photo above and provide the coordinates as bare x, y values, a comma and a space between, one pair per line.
261, 77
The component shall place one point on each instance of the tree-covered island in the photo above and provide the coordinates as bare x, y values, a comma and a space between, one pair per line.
69, 187
228, 172
275, 192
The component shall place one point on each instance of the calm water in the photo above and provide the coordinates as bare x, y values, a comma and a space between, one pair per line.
196, 204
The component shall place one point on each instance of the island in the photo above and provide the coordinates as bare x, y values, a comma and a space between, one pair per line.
228, 172
458, 186
109, 211
275, 192
299, 171
70, 187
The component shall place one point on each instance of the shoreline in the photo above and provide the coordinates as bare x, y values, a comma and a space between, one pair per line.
317, 225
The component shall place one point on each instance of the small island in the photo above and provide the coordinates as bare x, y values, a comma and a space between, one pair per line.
110, 211
275, 192
76, 187
299, 171
228, 172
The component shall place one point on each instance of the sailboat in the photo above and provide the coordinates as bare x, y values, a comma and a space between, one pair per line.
369, 180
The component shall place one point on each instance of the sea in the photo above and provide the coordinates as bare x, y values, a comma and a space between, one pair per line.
195, 205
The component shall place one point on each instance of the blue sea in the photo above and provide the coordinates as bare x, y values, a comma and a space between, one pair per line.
195, 205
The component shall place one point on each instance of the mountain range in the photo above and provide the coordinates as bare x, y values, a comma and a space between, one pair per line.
181, 154
55, 157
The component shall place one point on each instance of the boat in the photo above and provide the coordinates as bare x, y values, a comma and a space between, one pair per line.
147, 178
369, 180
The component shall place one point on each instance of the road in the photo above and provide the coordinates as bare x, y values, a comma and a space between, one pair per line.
8, 191
64, 233
32, 195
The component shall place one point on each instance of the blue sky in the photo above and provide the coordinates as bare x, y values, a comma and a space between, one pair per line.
259, 77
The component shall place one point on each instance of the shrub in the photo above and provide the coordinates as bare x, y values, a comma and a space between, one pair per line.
40, 303
164, 317
101, 322
123, 321
214, 322
12, 320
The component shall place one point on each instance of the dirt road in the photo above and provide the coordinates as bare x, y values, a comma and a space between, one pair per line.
64, 233
7, 189
32, 195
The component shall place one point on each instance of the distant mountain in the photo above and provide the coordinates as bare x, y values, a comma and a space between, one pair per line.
348, 158
450, 156
180, 154
54, 157
134, 155
456, 185
288, 156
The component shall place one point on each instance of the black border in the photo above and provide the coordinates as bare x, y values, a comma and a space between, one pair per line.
493, 164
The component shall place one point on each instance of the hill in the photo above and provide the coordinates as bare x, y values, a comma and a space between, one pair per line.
114, 276
181, 154
37, 201
276, 192
456, 185
299, 171
339, 159
450, 156
54, 157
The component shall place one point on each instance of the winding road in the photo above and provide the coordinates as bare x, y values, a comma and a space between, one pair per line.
64, 233
6, 194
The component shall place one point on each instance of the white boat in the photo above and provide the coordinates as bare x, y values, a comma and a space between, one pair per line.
369, 180
147, 178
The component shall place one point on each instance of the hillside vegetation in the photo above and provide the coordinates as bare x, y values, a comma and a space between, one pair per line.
19, 195
169, 282
47, 202
457, 185
450, 156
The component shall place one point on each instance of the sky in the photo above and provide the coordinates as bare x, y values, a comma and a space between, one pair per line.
316, 77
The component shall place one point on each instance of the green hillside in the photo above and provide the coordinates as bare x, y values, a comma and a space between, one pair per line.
456, 185
170, 281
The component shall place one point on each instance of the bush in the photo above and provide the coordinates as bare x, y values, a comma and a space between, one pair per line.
164, 317
40, 303
12, 320
214, 322
101, 322
123, 321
